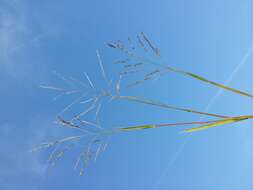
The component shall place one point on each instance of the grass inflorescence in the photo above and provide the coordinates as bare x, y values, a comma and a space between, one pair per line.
94, 98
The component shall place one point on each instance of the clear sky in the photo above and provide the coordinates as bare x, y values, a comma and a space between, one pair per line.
210, 38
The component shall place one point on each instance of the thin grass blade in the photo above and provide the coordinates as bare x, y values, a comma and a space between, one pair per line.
215, 124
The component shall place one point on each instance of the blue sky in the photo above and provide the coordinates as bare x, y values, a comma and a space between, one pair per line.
211, 38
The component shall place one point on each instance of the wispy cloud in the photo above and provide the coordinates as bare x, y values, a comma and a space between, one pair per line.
12, 31
18, 166
20, 36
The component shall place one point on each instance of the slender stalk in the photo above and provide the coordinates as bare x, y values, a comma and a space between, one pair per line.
186, 123
166, 106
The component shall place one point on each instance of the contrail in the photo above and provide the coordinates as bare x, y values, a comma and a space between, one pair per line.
180, 149
230, 77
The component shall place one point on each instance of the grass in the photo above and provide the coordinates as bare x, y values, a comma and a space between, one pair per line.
94, 98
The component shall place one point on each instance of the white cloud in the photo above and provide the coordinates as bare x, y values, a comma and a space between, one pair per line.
19, 167
20, 35
12, 30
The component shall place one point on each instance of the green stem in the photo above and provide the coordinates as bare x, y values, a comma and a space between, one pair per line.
166, 106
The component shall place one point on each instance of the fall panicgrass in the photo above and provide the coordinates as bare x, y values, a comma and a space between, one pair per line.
93, 131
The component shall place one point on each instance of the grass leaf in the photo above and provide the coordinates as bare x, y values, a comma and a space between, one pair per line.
215, 124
